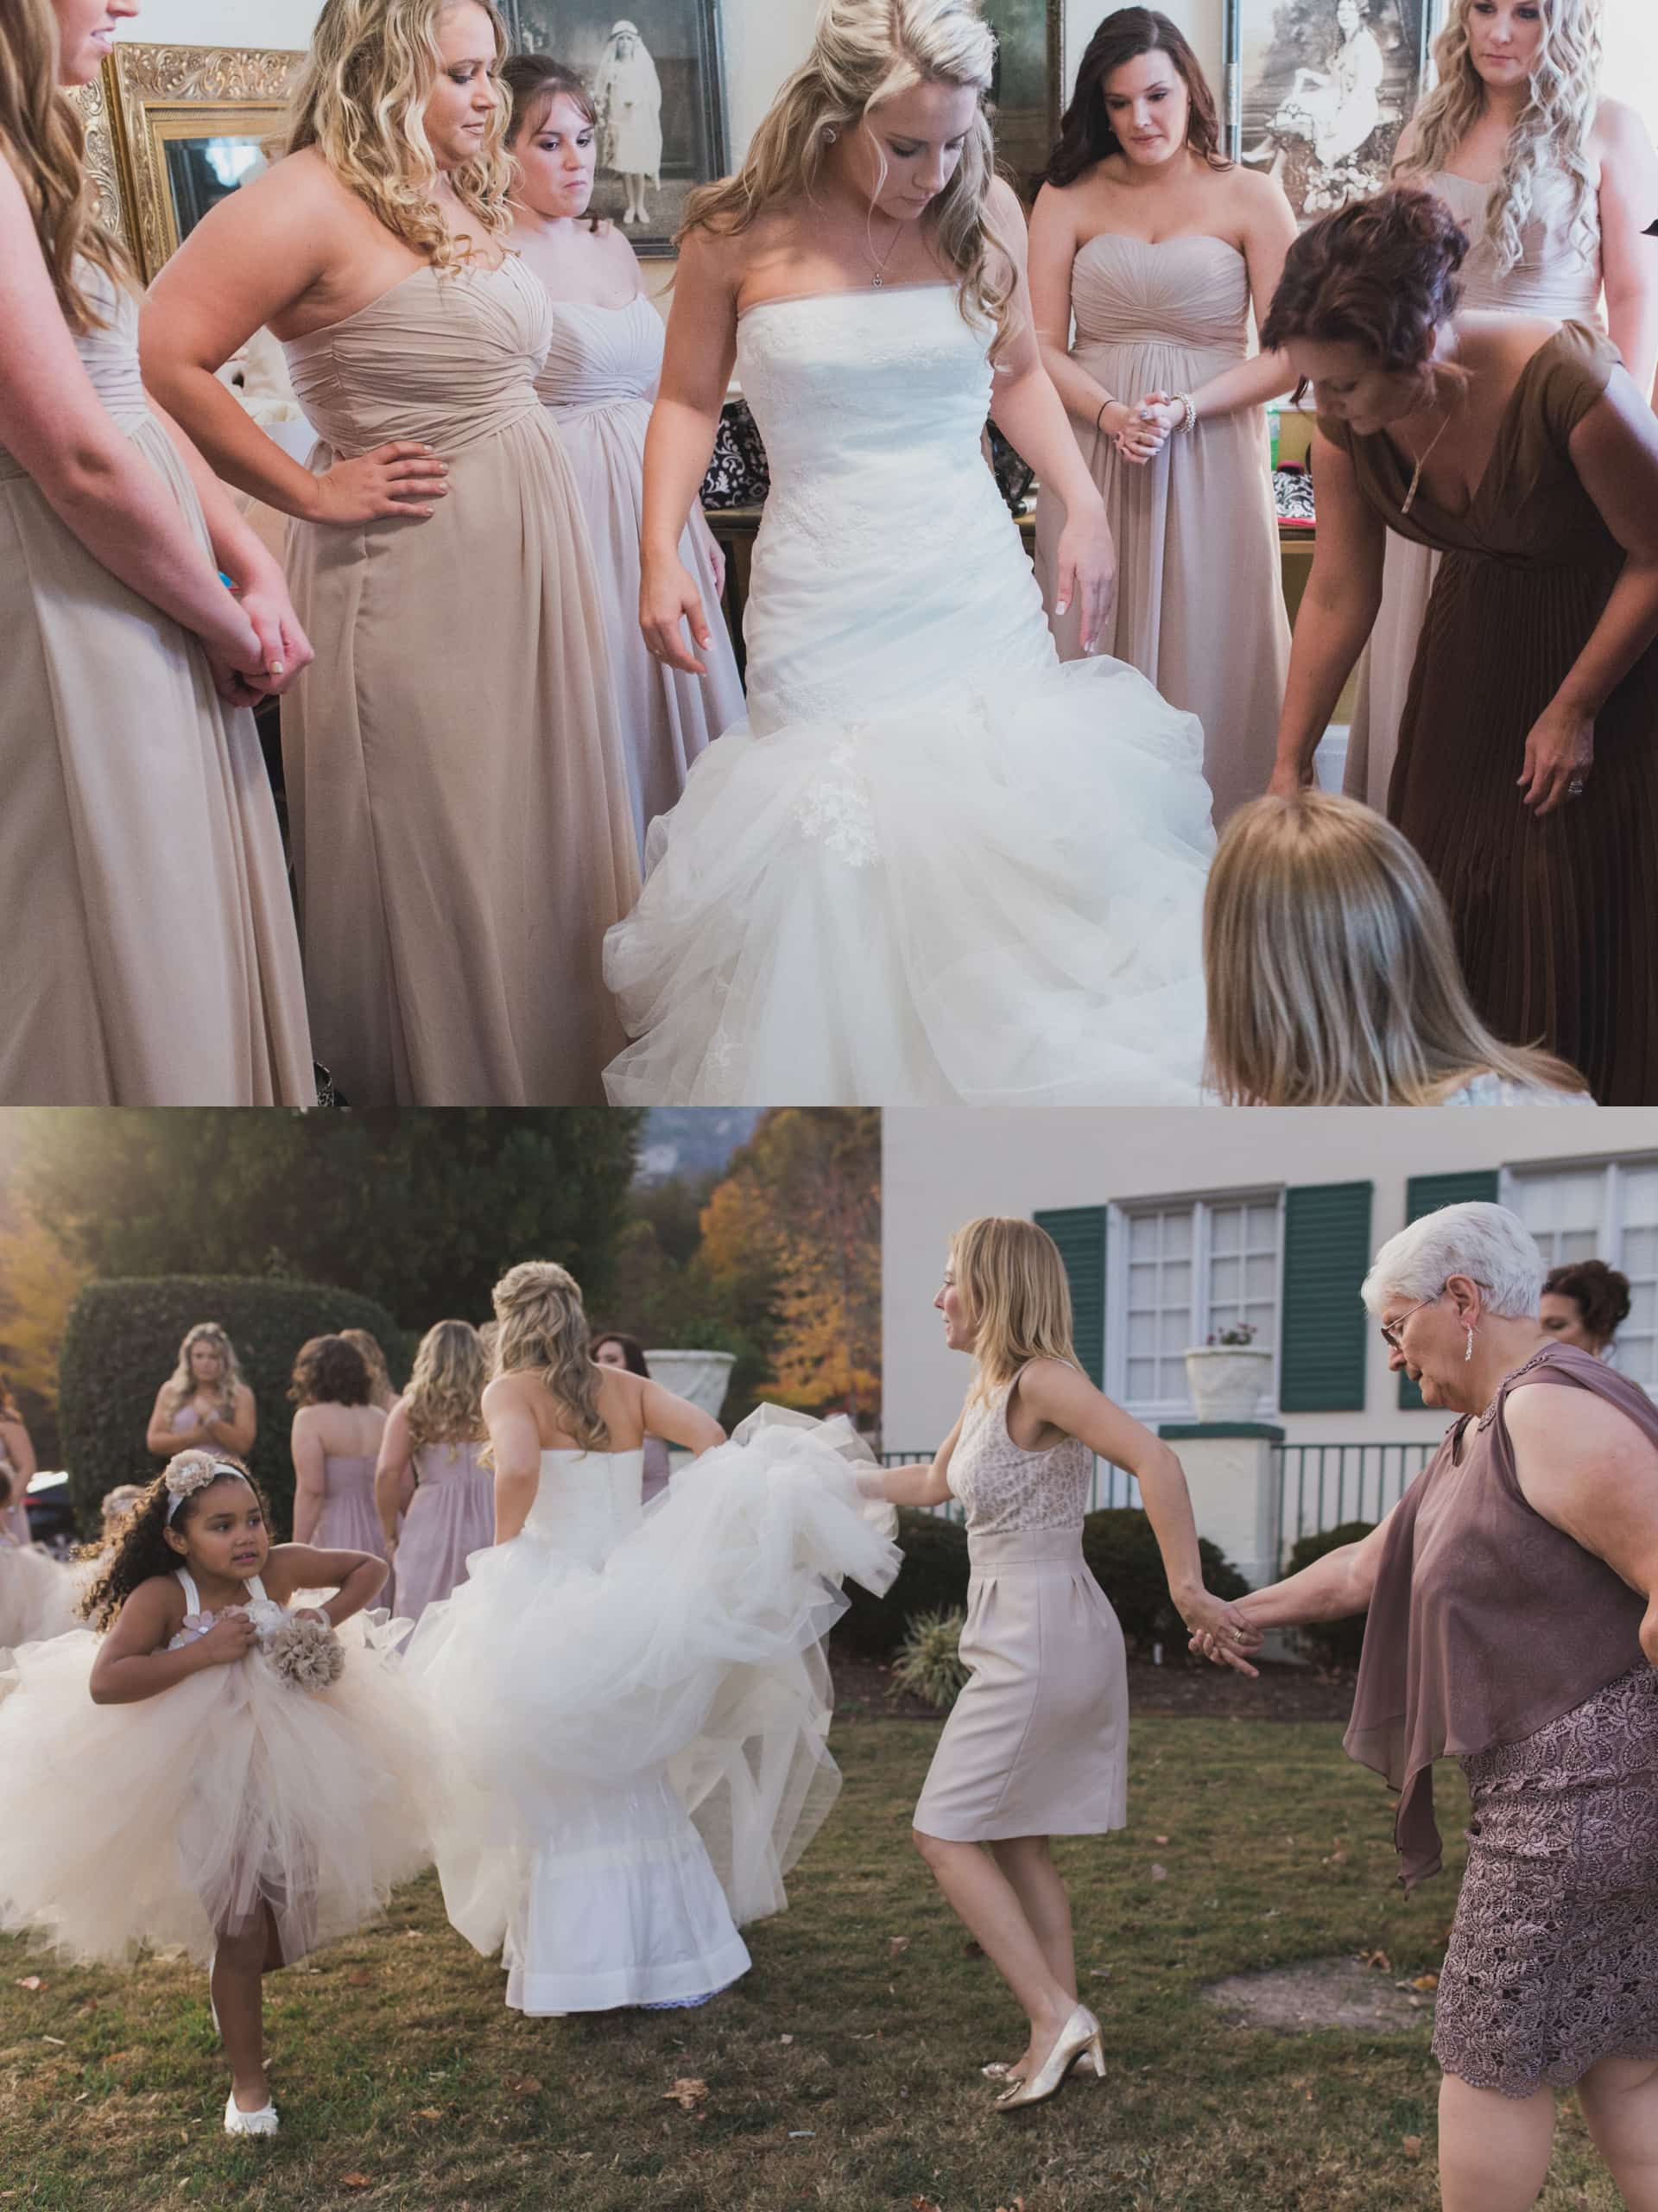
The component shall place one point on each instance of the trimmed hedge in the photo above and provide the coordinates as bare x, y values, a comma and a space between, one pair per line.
1118, 1546
1332, 1643
122, 1342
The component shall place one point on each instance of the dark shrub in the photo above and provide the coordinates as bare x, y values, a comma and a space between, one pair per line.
122, 1343
1330, 1643
932, 1579
1122, 1557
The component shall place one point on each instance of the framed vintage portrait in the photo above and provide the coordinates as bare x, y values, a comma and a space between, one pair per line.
1318, 91
1029, 91
655, 71
171, 129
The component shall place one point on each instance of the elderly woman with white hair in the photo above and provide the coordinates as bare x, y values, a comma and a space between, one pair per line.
1513, 1623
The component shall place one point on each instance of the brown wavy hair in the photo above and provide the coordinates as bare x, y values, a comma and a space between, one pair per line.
1085, 133
329, 1372
142, 1550
43, 141
532, 82
1601, 1292
442, 1403
1382, 275
544, 1331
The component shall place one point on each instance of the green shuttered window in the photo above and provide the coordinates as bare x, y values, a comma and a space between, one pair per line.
1426, 1194
1079, 1232
1327, 1252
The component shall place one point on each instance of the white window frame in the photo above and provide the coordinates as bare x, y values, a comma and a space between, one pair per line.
1609, 1167
1119, 1214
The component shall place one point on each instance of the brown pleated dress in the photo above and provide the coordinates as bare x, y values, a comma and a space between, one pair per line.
1554, 919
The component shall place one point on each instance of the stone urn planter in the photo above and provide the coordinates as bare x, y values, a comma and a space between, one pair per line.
702, 1377
1227, 1381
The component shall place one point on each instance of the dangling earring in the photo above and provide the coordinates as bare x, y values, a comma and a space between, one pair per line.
1469, 1354
830, 137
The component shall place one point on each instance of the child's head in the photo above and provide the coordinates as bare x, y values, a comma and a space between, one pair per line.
204, 1511
117, 1503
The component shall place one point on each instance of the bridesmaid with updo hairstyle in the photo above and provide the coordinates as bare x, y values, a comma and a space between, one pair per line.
1156, 248
597, 383
463, 834
1585, 1303
1522, 451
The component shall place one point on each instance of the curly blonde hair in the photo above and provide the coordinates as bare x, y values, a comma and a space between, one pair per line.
360, 101
42, 141
1013, 1283
543, 1329
442, 1403
865, 52
1552, 131
181, 1383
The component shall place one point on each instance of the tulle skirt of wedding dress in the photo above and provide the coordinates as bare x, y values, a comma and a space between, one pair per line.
633, 1753
38, 1595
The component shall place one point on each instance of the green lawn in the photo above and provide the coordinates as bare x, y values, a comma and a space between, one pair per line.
842, 2073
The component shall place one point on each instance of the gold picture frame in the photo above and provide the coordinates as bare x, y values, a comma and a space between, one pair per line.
152, 104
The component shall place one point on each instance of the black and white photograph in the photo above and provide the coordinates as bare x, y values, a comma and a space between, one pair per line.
656, 81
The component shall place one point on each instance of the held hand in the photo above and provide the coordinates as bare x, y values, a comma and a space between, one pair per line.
230, 1638
1162, 410
1085, 570
1559, 753
283, 646
668, 601
400, 478
1137, 438
1223, 1631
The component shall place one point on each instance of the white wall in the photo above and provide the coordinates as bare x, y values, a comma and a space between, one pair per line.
279, 23
942, 1169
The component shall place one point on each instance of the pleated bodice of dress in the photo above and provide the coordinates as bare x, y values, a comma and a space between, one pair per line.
1185, 302
446, 359
601, 358
1005, 1489
587, 1502
1559, 273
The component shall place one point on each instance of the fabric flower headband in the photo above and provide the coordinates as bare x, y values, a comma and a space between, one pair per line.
184, 1479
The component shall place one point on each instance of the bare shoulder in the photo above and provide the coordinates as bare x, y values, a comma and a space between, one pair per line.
1619, 132
520, 1388
1257, 195
1002, 205
1570, 1431
1043, 1383
155, 1609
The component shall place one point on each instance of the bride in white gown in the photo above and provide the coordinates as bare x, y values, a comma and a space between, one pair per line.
632, 1707
934, 863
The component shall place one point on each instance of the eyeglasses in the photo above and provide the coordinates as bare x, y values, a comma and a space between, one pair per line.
1390, 1329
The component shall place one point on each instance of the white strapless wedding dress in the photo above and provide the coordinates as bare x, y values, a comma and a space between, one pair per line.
632, 1709
934, 864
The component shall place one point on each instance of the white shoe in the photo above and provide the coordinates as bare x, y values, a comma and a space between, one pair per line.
238, 2122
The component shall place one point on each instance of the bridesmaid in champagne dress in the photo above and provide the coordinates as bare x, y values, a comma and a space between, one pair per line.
1156, 248
335, 1444
153, 959
431, 1471
1551, 259
597, 382
459, 794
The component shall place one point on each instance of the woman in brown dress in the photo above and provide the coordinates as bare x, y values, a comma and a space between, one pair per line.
1513, 1600
1527, 768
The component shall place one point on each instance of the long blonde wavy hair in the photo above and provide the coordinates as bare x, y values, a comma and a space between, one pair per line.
182, 1385
442, 1403
42, 140
543, 1329
1013, 1283
864, 52
360, 100
1331, 973
1553, 131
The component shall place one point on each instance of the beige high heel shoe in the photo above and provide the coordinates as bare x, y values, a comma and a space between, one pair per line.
1093, 2062
1080, 2037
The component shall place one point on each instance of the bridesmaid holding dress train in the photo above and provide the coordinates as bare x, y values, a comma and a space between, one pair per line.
455, 773
153, 958
1036, 1745
1553, 185
1156, 248
597, 383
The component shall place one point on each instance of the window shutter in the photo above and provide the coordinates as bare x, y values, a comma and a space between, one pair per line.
1327, 1252
1079, 1232
1426, 1194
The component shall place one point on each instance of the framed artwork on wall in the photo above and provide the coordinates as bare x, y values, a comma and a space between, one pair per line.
657, 79
1029, 92
1318, 91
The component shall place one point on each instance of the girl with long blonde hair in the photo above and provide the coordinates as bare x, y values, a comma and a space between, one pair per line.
139, 836
1036, 1745
1555, 184
205, 1400
596, 1642
432, 1490
452, 893
873, 890
1333, 973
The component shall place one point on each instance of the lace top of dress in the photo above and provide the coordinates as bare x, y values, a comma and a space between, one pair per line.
1190, 293
1487, 1620
266, 1614
109, 355
1004, 1487
1552, 276
587, 1502
601, 357
449, 358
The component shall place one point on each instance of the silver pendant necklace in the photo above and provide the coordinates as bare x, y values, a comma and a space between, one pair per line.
1416, 473
879, 279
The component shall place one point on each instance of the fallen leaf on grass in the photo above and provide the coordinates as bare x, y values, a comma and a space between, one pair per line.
31, 1982
1017, 2205
355, 2181
362, 1977
1412, 2146
688, 2093
523, 2085
897, 1943
1426, 1981
58, 2039
785, 2039
428, 2111
1377, 1959
1337, 1857
1159, 1873
1155, 1839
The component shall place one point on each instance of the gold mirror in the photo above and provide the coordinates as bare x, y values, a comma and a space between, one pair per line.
173, 129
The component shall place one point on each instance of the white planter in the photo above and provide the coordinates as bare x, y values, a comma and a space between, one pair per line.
1227, 1381
702, 1377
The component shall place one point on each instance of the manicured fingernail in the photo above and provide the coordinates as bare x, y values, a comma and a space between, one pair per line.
277, 667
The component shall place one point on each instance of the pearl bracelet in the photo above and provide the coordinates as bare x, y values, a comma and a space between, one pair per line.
1189, 411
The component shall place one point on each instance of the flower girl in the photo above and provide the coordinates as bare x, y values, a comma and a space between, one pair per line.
205, 1769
